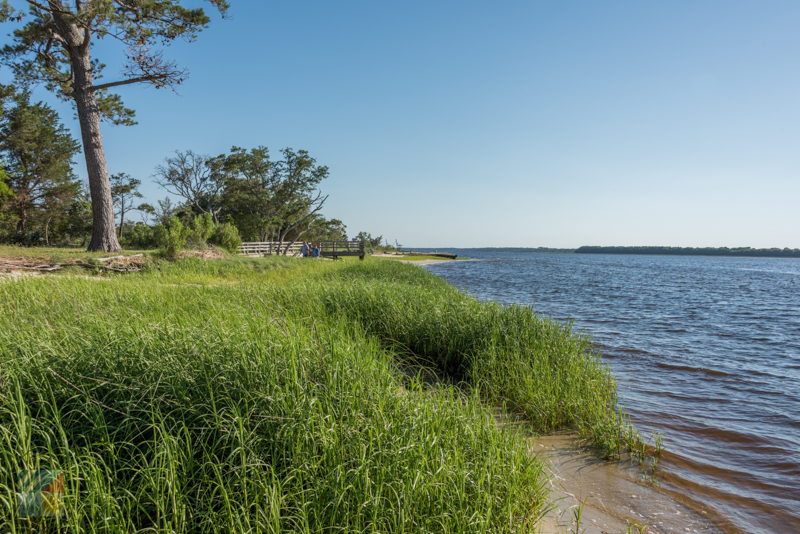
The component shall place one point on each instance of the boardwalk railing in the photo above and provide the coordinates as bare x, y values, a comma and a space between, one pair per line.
328, 249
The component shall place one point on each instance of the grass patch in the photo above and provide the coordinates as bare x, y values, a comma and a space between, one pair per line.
263, 395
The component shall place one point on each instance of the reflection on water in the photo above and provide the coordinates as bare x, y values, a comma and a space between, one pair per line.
706, 351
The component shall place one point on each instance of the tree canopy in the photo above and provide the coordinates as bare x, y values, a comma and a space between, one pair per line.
43, 47
267, 199
124, 192
37, 153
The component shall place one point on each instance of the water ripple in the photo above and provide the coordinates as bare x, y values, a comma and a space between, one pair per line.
706, 350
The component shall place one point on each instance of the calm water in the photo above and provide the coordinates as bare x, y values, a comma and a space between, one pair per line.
706, 351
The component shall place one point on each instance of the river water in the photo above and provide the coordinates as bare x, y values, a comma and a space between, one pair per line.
706, 351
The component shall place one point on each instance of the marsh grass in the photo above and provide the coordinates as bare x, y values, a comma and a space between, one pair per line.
263, 395
510, 355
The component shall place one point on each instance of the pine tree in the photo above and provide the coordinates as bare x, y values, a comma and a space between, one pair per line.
37, 153
54, 45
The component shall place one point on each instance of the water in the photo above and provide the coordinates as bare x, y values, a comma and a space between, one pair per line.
706, 351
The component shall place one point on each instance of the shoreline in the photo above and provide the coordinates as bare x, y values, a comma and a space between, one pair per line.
613, 496
612, 493
397, 258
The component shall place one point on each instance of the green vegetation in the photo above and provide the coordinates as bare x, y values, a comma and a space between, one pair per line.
244, 193
276, 395
174, 236
692, 251
39, 194
510, 355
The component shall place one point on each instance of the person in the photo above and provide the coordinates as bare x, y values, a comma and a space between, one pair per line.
316, 251
304, 249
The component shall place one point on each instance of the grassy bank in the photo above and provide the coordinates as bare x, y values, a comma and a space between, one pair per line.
265, 395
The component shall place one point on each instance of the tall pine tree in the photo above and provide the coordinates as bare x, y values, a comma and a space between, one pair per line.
54, 45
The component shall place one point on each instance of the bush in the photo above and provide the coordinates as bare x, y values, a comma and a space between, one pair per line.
139, 236
201, 232
172, 237
226, 236
201, 229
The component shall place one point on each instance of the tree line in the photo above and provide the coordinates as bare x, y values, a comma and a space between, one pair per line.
694, 251
244, 191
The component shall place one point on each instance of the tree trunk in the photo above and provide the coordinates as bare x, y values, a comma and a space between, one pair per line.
121, 216
104, 234
22, 221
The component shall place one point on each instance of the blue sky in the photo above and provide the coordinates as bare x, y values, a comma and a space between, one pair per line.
512, 123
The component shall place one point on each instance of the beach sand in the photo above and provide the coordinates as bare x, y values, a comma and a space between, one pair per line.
615, 495
396, 257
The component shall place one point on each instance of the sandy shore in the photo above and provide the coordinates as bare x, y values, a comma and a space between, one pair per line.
396, 257
614, 496
424, 262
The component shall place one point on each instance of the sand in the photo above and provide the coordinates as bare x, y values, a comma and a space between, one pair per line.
413, 262
615, 495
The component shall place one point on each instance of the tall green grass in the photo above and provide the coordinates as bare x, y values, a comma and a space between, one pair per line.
264, 395
510, 355
196, 398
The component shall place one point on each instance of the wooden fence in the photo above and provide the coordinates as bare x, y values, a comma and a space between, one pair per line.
328, 249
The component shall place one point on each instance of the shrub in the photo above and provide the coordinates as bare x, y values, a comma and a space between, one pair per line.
139, 236
171, 237
202, 227
226, 236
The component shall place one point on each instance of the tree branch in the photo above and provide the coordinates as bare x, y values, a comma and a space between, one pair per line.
53, 7
149, 78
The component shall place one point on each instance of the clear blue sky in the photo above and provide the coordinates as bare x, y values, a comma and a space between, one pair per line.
513, 123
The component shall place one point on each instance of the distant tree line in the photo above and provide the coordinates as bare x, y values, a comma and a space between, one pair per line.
245, 193
694, 251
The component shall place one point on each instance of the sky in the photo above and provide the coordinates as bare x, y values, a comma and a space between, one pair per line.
455, 123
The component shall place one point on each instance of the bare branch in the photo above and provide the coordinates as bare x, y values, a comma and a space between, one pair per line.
128, 81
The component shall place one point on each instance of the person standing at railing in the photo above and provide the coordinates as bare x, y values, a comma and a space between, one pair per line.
316, 250
304, 249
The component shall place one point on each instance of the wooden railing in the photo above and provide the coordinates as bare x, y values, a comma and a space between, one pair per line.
328, 249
